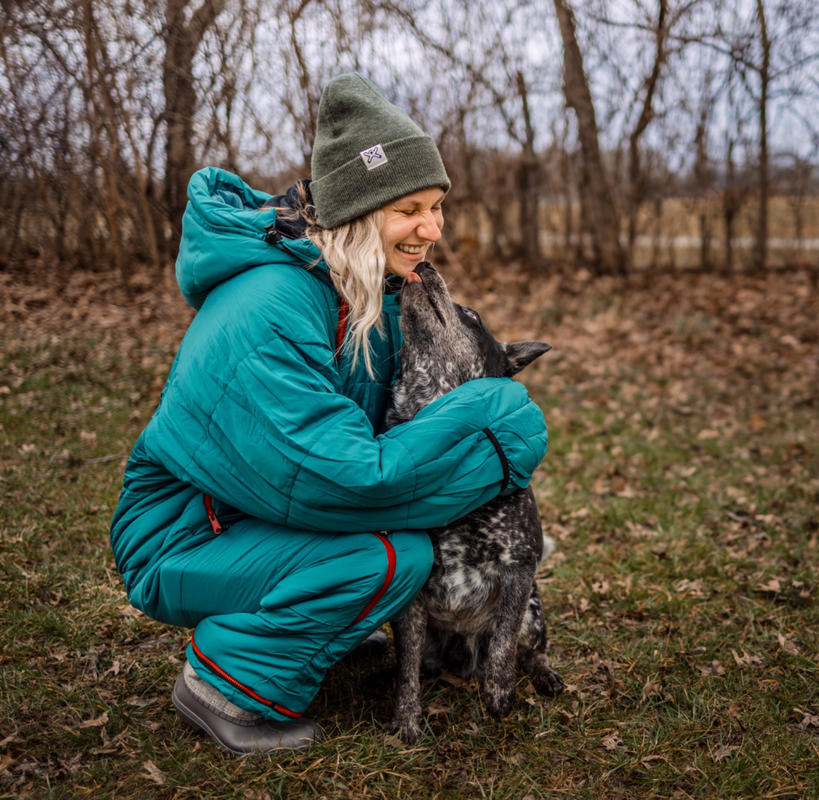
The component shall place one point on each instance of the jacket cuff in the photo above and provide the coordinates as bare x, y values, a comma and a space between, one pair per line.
502, 456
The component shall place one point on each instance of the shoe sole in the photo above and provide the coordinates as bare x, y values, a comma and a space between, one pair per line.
193, 720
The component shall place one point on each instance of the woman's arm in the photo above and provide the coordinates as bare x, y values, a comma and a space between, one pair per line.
282, 444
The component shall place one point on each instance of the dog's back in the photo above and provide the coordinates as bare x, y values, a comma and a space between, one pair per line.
480, 607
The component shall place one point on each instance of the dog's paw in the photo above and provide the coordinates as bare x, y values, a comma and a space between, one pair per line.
498, 698
406, 730
547, 681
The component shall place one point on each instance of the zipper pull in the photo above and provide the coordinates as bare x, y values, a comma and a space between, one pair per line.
214, 520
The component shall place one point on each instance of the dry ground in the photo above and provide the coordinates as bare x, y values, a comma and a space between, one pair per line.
682, 485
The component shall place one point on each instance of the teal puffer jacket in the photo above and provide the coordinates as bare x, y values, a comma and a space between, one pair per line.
260, 414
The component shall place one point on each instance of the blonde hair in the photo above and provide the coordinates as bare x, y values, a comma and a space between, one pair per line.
355, 255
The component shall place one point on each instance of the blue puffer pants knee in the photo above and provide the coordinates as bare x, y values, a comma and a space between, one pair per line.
274, 608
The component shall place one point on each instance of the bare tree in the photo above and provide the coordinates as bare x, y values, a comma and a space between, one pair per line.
636, 173
598, 197
182, 34
765, 53
107, 108
761, 249
104, 130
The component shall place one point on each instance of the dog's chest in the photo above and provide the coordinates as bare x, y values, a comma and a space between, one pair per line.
474, 555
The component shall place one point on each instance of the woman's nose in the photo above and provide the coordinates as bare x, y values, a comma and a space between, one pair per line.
428, 228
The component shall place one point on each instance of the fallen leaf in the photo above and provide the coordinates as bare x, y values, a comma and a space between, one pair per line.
154, 772
773, 586
114, 668
714, 669
721, 753
140, 702
809, 720
757, 422
650, 689
453, 680
746, 660
787, 645
101, 720
646, 762
432, 709
695, 588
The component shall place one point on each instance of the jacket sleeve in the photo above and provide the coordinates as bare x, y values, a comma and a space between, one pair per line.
283, 445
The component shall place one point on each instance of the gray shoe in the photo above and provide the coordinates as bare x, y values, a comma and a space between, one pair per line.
246, 734
373, 646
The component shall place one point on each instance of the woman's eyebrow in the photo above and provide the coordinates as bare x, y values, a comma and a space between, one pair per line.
403, 203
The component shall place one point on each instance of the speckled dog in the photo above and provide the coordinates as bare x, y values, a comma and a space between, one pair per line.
480, 612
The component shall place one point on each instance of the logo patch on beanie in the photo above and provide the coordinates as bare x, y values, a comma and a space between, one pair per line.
373, 156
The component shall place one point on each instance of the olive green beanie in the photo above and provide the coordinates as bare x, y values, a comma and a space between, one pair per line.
367, 152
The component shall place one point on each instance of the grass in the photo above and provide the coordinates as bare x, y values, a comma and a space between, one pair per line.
682, 487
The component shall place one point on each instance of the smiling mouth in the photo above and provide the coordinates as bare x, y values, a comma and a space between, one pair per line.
411, 249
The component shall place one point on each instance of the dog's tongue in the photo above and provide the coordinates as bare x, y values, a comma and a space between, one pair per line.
413, 277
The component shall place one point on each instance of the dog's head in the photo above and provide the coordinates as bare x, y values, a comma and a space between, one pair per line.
447, 344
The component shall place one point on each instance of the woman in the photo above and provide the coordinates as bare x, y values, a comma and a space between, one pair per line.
254, 502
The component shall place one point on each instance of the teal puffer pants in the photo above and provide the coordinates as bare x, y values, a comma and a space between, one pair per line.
275, 608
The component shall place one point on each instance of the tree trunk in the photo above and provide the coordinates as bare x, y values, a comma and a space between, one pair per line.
598, 200
527, 182
106, 157
702, 177
182, 39
730, 206
761, 250
657, 238
636, 176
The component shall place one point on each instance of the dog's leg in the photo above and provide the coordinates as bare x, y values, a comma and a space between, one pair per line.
410, 637
532, 646
499, 671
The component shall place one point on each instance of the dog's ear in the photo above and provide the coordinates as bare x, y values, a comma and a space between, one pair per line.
520, 354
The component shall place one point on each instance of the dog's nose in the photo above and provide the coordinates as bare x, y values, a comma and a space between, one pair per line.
423, 267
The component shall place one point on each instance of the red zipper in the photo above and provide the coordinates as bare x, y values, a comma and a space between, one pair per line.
341, 327
391, 561
246, 689
214, 520
387, 580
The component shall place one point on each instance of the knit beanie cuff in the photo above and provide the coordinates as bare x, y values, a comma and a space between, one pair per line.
377, 176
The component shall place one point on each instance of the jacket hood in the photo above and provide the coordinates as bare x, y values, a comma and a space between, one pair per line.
226, 230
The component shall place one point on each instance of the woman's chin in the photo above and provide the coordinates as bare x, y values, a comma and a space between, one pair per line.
401, 264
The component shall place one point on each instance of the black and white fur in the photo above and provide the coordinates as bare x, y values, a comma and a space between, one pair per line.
480, 612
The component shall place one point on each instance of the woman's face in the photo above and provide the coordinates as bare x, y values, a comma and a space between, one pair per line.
410, 226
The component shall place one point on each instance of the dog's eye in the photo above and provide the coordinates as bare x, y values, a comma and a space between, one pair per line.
471, 313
